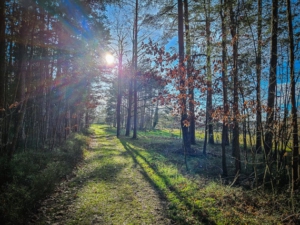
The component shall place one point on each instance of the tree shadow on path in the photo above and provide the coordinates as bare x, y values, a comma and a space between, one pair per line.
165, 189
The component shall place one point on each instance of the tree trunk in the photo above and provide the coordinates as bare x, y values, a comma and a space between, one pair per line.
2, 77
258, 78
143, 112
209, 108
181, 71
155, 119
295, 146
135, 97
21, 97
235, 131
119, 97
225, 140
192, 127
272, 81
128, 123
205, 134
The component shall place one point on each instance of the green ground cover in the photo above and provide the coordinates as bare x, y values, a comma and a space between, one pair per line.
108, 188
31, 175
145, 181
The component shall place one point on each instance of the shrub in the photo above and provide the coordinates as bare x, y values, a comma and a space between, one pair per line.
31, 175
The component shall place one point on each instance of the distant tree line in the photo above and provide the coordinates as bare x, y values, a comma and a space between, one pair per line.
51, 62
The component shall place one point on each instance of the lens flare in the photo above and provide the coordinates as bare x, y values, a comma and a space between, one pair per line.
109, 58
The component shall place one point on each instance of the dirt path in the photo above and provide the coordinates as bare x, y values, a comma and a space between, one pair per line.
108, 188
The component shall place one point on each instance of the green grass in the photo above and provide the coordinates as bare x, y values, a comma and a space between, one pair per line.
145, 181
176, 133
197, 197
109, 188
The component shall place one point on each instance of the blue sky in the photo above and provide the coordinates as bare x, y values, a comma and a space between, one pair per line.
173, 44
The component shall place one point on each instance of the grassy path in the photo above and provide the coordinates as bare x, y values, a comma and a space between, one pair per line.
145, 181
108, 188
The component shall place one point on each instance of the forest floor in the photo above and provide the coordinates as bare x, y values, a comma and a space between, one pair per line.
145, 181
107, 188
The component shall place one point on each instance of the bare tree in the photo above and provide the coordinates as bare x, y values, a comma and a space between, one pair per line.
190, 78
135, 60
258, 78
2, 75
235, 130
225, 81
295, 146
272, 80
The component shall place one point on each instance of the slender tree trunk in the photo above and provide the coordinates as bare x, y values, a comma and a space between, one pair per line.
192, 127
184, 117
272, 81
205, 134
155, 119
235, 131
8, 118
258, 78
295, 147
209, 108
135, 95
67, 125
244, 130
21, 97
225, 140
130, 89
2, 77
128, 123
119, 97
143, 111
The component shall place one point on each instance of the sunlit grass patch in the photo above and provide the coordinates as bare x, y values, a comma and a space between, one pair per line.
109, 186
123, 181
162, 133
194, 198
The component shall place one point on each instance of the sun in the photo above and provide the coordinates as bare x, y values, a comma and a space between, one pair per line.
109, 59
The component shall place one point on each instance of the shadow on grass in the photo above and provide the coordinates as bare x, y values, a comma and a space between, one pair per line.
106, 169
166, 189
107, 173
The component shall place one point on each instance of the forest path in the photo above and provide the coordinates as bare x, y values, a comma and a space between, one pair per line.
107, 188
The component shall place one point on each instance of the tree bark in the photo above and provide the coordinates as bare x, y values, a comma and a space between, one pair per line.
135, 97
272, 81
258, 78
129, 107
209, 107
130, 97
295, 147
192, 127
155, 119
182, 74
21, 97
235, 131
225, 140
119, 97
2, 77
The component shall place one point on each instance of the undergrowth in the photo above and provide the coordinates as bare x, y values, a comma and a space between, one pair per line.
31, 175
